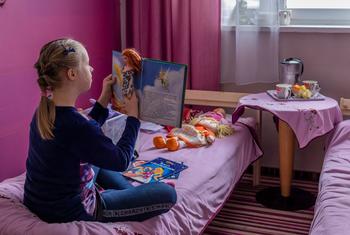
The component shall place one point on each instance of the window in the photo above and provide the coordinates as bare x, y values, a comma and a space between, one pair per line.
319, 12
318, 4
228, 10
304, 12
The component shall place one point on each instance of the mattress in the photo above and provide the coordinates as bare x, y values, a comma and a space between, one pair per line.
332, 208
202, 190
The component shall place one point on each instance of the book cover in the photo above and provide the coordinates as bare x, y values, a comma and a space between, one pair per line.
154, 171
125, 85
117, 67
160, 88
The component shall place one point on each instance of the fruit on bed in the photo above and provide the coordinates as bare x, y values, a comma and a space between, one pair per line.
159, 142
171, 143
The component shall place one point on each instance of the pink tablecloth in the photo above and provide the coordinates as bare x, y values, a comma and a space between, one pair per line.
308, 119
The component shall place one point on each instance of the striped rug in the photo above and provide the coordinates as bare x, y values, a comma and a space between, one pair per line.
241, 214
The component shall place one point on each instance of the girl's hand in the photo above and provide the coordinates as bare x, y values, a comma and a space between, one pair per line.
106, 93
107, 85
131, 106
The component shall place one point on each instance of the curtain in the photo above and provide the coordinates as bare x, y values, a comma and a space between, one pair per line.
250, 52
180, 31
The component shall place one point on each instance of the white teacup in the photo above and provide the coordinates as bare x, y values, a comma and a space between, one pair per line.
285, 17
313, 86
283, 91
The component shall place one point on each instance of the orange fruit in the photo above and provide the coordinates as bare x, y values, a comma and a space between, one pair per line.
296, 88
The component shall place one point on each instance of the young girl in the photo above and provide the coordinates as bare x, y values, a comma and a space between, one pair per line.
60, 180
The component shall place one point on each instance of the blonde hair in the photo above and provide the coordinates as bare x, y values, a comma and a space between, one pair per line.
54, 57
134, 58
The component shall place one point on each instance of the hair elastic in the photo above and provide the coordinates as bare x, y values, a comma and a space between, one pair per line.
47, 93
68, 50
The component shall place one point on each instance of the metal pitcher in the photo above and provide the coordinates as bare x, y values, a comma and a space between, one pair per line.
291, 70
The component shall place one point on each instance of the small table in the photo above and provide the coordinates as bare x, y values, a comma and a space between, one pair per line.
301, 120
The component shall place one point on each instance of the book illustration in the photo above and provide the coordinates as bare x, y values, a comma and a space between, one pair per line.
118, 65
154, 171
136, 163
125, 68
163, 78
162, 92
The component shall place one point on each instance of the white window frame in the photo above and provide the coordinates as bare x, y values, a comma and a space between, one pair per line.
304, 20
319, 16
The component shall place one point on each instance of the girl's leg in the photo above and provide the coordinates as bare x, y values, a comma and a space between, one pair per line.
112, 180
137, 203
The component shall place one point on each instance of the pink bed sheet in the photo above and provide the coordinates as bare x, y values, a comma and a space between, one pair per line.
332, 208
202, 189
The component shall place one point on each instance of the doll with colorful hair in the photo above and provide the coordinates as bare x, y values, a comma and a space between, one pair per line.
126, 76
199, 131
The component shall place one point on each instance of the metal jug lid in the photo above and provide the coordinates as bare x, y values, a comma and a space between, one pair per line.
291, 61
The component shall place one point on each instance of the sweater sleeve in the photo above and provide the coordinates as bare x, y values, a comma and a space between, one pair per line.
99, 113
94, 147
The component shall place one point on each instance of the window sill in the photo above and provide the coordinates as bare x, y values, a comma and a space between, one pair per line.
304, 28
315, 29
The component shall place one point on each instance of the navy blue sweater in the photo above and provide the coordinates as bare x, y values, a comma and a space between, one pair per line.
52, 186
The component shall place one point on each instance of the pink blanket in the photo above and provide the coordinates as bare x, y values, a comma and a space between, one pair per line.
202, 189
332, 208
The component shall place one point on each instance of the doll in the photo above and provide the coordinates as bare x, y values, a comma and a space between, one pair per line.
126, 76
200, 131
214, 121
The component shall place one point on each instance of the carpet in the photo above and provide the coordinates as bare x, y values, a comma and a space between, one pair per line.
241, 213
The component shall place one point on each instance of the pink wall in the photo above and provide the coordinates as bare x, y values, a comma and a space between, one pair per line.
25, 26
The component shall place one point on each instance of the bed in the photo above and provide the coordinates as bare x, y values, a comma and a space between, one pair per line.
332, 208
202, 189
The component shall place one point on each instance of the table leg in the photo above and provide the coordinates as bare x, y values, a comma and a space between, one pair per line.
286, 155
285, 197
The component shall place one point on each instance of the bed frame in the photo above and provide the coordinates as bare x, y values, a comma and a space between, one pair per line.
224, 100
345, 106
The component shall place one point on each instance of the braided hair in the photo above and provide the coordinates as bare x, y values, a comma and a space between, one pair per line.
54, 57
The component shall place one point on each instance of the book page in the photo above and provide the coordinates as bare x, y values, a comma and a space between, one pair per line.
162, 92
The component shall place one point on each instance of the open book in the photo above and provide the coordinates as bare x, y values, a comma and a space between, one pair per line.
160, 88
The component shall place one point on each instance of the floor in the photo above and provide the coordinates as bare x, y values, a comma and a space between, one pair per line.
242, 215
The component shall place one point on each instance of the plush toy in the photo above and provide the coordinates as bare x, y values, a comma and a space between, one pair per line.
201, 130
